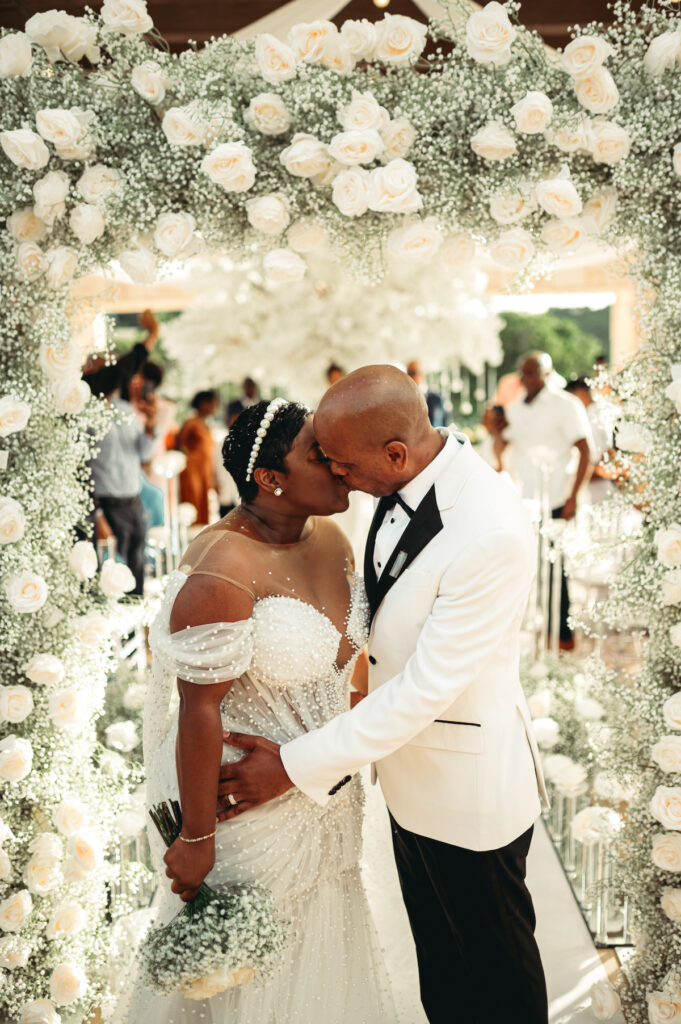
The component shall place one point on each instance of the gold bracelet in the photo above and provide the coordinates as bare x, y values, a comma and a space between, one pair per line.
199, 839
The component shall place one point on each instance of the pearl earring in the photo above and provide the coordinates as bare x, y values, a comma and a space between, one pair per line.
278, 492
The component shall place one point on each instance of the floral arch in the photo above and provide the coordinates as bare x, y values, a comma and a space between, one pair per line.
112, 149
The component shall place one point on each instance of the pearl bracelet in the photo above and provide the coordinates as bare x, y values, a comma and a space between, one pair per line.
199, 839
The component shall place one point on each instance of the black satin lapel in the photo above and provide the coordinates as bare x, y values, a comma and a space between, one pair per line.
422, 527
369, 571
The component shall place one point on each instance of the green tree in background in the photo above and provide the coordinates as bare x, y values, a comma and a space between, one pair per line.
572, 349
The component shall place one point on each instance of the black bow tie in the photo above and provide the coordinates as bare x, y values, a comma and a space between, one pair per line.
394, 499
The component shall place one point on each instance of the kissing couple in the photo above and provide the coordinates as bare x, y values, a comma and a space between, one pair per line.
265, 628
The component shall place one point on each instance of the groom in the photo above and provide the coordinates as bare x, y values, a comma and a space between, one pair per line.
448, 568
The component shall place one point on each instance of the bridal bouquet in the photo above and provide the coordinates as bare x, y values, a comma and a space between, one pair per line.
220, 939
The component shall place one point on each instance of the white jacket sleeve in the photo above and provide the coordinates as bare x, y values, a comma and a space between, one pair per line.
480, 595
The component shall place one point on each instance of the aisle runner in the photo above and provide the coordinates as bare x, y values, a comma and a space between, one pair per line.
571, 961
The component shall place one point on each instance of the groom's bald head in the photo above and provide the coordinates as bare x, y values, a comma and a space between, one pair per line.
373, 425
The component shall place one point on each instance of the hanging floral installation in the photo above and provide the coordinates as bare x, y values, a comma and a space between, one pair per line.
114, 150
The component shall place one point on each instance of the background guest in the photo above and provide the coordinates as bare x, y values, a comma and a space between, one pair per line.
436, 409
334, 373
195, 439
250, 395
601, 417
103, 379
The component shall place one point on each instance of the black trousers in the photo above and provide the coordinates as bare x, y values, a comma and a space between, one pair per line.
127, 519
472, 919
565, 631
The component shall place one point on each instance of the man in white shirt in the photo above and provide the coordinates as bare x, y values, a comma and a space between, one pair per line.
448, 570
549, 430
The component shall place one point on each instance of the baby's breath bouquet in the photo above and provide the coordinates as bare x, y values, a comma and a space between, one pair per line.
220, 939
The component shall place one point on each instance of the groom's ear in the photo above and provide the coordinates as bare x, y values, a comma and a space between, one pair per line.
397, 454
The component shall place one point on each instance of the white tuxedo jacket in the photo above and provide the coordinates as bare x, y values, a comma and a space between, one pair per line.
446, 721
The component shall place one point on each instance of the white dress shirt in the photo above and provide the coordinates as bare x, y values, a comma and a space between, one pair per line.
545, 430
413, 493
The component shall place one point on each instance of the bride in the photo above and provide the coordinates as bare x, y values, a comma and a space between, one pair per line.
263, 627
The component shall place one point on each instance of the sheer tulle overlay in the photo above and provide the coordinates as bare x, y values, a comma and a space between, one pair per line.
287, 681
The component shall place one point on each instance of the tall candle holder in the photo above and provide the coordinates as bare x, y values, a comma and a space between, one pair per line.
168, 467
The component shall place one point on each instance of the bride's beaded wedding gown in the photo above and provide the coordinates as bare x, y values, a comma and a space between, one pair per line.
292, 665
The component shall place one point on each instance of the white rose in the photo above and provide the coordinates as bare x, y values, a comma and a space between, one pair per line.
572, 137
564, 235
72, 870
67, 981
230, 165
85, 848
309, 40
513, 249
86, 222
60, 363
670, 902
399, 39
282, 265
14, 952
62, 263
555, 764
5, 868
71, 816
666, 852
599, 211
305, 157
540, 704
83, 151
129, 17
139, 265
67, 918
267, 113
68, 708
305, 235
610, 143
268, 214
174, 233
588, 710
558, 196
666, 753
675, 634
571, 780
632, 437
605, 1001
14, 415
417, 242
363, 113
355, 147
398, 137
663, 53
360, 38
134, 697
25, 226
26, 592
15, 911
350, 192
63, 128
131, 822
509, 207
97, 182
392, 189
150, 81
532, 113
115, 579
671, 587
90, 629
546, 732
63, 35
44, 669
672, 711
40, 1011
458, 250
182, 126
50, 193
218, 981
15, 55
25, 149
664, 1008
42, 875
16, 703
83, 560
597, 91
12, 521
47, 845
668, 544
493, 142
489, 35
592, 824
673, 393
122, 736
30, 260
276, 61
585, 54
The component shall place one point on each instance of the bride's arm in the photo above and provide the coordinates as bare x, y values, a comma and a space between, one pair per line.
199, 735
360, 678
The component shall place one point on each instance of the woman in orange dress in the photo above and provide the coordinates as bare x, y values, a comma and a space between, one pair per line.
196, 441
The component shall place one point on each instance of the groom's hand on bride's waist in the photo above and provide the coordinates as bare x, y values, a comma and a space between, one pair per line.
258, 777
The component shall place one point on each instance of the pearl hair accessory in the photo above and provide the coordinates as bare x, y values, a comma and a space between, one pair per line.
265, 423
